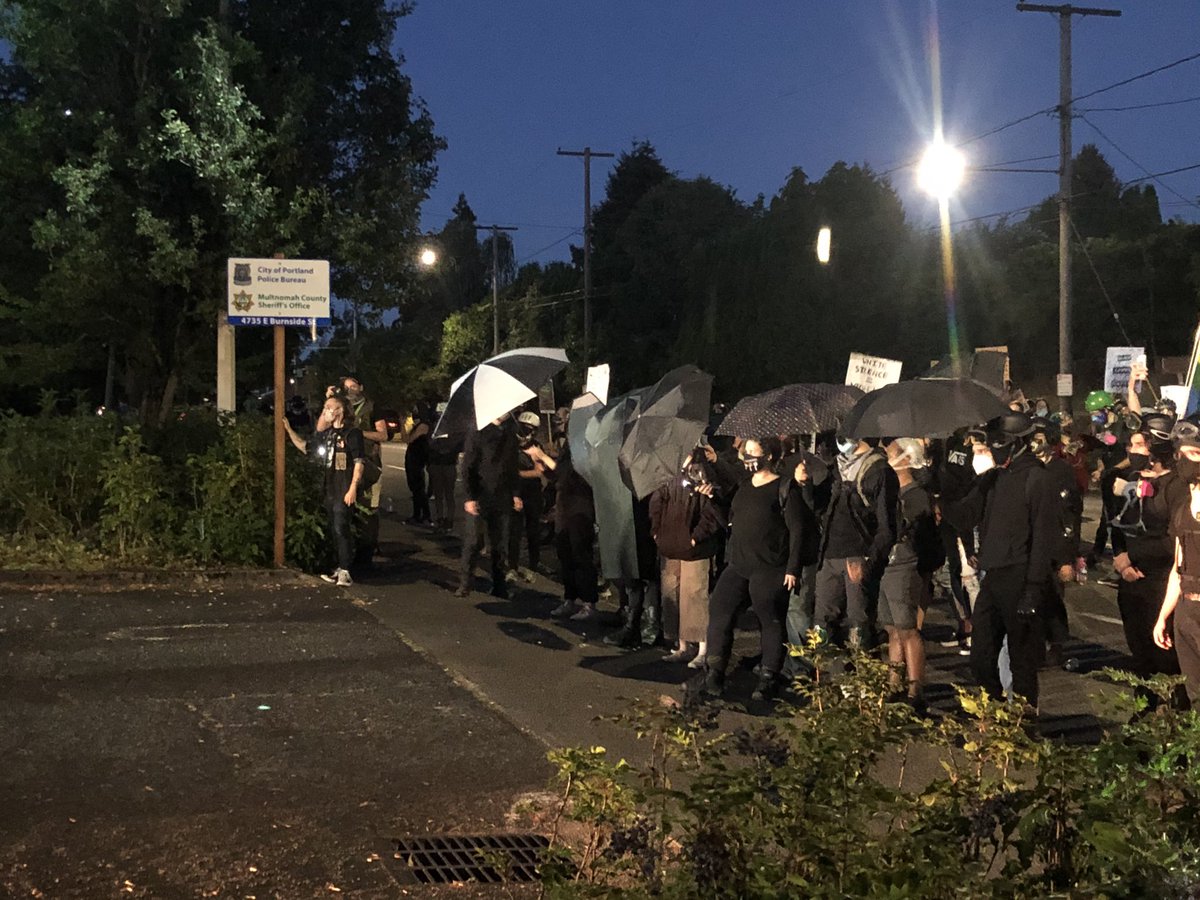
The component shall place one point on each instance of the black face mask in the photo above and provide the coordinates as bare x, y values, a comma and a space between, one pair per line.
1187, 469
1139, 461
752, 463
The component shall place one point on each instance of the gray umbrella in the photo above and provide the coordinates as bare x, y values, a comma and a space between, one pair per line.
791, 409
670, 419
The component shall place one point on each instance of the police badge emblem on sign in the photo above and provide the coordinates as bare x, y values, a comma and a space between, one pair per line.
241, 274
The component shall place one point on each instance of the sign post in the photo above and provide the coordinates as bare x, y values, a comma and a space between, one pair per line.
279, 292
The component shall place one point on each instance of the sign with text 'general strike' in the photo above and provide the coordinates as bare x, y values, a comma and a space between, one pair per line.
870, 372
278, 291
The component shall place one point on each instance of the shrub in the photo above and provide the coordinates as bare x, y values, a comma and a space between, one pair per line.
800, 806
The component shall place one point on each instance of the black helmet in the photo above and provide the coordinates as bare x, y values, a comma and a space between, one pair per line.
1008, 429
1051, 429
1186, 432
1157, 426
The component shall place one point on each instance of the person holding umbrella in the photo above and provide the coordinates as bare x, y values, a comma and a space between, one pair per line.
1016, 509
773, 534
490, 475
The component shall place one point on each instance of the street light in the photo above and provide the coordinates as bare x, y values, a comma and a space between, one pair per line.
941, 169
824, 242
428, 257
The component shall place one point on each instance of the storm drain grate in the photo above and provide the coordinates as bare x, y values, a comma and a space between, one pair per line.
487, 858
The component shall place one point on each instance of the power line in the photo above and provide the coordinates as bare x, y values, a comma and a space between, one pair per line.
1139, 105
565, 237
1145, 171
1138, 77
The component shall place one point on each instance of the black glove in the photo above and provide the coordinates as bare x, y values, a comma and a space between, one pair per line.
1030, 604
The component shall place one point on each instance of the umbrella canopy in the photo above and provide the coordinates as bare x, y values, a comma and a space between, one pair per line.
924, 407
669, 421
583, 410
498, 386
791, 409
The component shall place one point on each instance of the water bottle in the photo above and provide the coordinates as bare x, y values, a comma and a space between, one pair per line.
1081, 570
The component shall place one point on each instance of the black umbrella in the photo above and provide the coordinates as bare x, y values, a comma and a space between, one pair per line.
792, 409
497, 386
671, 418
924, 407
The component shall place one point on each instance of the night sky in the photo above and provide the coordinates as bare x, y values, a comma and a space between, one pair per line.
745, 92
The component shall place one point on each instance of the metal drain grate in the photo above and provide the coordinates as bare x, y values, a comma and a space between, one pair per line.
487, 858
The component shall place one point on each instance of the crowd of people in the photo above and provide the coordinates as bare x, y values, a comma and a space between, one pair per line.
849, 540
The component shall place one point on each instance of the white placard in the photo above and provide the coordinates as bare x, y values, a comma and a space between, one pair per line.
1066, 385
870, 372
1116, 368
1179, 394
278, 291
597, 382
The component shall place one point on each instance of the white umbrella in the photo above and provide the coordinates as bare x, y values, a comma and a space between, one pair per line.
497, 386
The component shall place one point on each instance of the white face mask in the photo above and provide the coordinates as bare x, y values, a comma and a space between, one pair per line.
846, 446
982, 462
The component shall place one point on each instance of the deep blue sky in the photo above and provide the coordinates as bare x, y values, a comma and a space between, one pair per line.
743, 92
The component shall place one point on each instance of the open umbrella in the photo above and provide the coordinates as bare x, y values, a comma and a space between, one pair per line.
791, 409
670, 419
924, 407
497, 386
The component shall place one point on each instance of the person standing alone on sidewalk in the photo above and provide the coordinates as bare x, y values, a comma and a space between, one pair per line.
489, 470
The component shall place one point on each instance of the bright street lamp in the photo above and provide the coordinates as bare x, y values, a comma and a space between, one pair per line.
824, 241
941, 169
428, 257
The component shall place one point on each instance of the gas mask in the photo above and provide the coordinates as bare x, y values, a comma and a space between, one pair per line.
846, 445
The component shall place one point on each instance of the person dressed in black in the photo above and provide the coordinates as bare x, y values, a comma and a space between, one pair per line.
443, 473
1017, 512
858, 533
338, 448
489, 469
416, 459
955, 476
772, 526
527, 521
1142, 543
1178, 625
574, 536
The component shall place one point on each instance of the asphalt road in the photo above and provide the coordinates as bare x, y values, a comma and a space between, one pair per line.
260, 740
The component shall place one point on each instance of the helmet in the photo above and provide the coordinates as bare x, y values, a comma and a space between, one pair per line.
1186, 432
1098, 400
1157, 426
1048, 427
1009, 428
530, 418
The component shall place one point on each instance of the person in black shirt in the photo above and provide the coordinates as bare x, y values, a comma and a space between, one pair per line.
338, 447
770, 523
574, 534
1017, 512
416, 458
490, 475
527, 521
443, 473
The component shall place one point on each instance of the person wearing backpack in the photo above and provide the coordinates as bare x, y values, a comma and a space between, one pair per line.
338, 448
916, 555
1144, 550
856, 537
771, 528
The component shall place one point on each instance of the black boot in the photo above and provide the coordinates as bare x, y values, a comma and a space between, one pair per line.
767, 687
714, 678
651, 625
629, 636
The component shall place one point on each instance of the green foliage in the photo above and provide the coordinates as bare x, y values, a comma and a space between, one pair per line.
87, 491
814, 803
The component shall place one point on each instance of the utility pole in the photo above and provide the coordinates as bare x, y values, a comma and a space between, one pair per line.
587, 153
1064, 13
226, 333
495, 230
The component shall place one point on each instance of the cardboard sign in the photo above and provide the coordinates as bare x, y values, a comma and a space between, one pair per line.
1116, 368
597, 382
870, 372
1007, 362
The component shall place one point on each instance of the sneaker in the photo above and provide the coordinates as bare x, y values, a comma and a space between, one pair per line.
330, 579
511, 576
564, 609
964, 646
587, 614
686, 654
339, 577
529, 576
698, 662
766, 689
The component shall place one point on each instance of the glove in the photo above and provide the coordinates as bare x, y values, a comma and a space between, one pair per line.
1030, 604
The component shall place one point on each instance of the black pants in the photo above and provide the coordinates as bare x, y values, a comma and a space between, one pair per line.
1058, 627
764, 592
420, 493
527, 522
995, 618
491, 522
1108, 509
1186, 630
441, 485
574, 541
339, 529
1139, 602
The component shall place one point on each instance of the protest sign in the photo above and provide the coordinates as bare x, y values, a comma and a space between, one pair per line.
870, 372
1116, 368
597, 382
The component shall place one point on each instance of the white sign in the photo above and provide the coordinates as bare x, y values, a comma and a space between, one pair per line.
597, 382
1179, 394
870, 372
1066, 385
1116, 368
278, 291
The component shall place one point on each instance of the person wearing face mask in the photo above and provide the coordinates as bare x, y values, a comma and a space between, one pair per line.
1041, 409
857, 534
1112, 439
772, 537
1148, 497
1016, 510
913, 559
527, 521
1046, 445
955, 478
1178, 625
489, 469
416, 460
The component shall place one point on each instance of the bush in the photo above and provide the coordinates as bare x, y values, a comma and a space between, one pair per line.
83, 490
800, 806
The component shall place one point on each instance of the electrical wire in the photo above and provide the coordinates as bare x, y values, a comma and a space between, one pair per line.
565, 237
1138, 77
1144, 170
1088, 109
